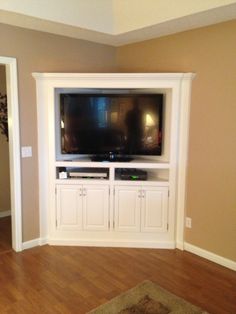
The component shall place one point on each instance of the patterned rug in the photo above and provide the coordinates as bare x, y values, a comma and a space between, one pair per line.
147, 298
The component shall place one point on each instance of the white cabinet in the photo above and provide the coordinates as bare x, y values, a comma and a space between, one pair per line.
82, 207
139, 208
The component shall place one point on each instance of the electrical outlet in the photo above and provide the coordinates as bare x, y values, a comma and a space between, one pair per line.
188, 222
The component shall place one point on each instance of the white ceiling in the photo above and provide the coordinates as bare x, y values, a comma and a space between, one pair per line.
115, 22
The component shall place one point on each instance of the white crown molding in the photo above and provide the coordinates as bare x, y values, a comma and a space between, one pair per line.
114, 76
109, 37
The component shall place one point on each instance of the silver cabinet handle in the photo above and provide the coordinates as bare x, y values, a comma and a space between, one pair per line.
143, 193
80, 192
84, 192
140, 193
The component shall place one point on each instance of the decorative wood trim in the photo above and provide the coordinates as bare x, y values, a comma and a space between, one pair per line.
14, 150
5, 213
182, 158
117, 76
210, 256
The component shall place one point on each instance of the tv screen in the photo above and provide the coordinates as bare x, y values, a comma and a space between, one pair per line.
99, 124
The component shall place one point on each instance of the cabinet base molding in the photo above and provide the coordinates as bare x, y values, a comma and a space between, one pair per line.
105, 243
210, 256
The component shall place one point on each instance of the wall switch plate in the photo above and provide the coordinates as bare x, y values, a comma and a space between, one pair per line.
188, 222
26, 151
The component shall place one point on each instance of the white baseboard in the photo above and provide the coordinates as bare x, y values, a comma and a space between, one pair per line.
161, 245
210, 256
74, 242
5, 213
105, 243
32, 243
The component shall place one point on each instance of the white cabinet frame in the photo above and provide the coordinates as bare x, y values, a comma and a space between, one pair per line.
176, 85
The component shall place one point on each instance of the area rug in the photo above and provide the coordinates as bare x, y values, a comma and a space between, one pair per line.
147, 298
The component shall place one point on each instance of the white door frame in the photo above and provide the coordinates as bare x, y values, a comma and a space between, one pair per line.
14, 150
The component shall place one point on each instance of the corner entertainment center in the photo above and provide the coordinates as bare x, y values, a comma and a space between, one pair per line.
133, 194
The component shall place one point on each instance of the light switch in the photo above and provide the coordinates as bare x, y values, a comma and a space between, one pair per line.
26, 151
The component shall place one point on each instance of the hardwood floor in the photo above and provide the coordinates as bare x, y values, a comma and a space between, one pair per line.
5, 234
65, 280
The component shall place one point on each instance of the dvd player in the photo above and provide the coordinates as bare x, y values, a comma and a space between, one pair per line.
98, 173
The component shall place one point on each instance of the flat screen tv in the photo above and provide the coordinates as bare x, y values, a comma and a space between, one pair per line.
110, 126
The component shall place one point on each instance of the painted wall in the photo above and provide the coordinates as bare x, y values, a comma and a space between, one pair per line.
5, 201
210, 52
43, 52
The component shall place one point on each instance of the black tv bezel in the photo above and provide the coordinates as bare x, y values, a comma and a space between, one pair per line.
111, 155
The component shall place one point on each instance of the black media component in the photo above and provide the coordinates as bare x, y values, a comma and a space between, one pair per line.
133, 174
113, 158
111, 126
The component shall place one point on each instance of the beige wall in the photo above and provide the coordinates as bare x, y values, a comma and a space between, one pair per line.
43, 52
210, 52
5, 202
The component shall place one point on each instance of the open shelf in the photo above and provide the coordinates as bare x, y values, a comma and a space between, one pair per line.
150, 175
82, 173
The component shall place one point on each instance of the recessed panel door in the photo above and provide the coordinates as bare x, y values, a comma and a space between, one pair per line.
127, 208
95, 207
69, 207
154, 209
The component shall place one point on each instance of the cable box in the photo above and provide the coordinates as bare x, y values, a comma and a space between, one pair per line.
133, 174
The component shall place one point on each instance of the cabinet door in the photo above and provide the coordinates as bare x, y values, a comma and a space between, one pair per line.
69, 207
154, 209
127, 208
95, 207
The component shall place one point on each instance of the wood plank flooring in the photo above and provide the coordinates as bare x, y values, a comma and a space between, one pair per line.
65, 280
5, 234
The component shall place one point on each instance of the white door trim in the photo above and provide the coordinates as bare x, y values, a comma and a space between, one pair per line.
14, 150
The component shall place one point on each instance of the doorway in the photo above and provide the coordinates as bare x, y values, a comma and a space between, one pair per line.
12, 225
5, 201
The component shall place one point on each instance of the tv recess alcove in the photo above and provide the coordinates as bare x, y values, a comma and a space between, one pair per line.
101, 208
